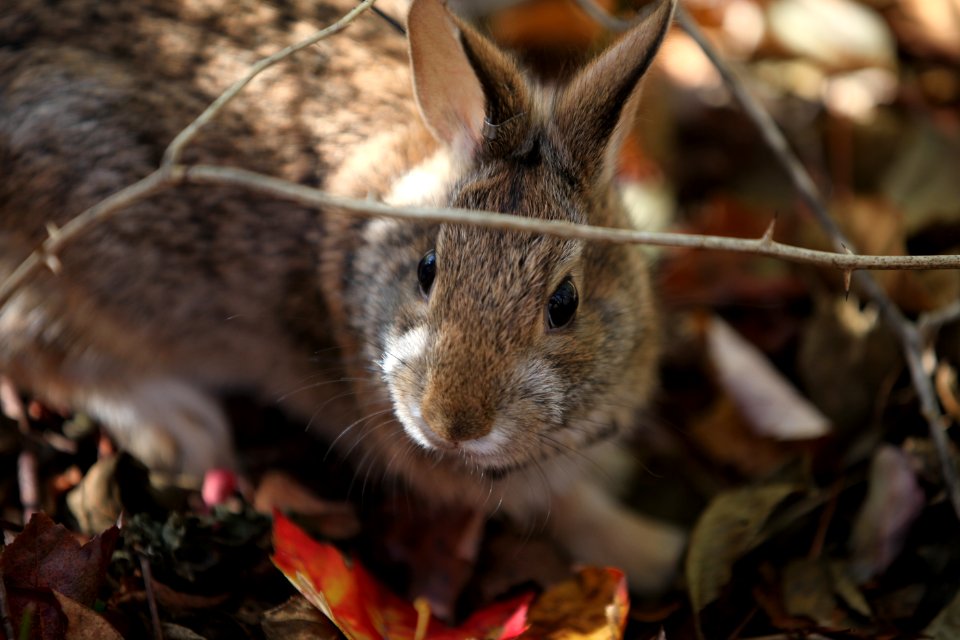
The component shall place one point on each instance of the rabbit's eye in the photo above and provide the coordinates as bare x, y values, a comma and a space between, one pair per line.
426, 271
562, 305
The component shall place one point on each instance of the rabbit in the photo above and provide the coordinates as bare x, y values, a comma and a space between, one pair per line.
475, 365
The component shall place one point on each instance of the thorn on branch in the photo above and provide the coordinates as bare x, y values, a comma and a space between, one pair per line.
53, 231
767, 238
52, 262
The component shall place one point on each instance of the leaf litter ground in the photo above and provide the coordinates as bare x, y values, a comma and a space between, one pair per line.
786, 434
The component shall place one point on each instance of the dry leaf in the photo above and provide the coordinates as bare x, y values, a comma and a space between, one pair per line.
808, 592
84, 623
728, 439
95, 503
729, 528
362, 608
894, 500
591, 606
280, 491
297, 619
838, 34
47, 556
936, 23
769, 402
947, 622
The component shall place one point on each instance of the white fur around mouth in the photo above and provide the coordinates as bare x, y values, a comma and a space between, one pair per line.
415, 426
488, 448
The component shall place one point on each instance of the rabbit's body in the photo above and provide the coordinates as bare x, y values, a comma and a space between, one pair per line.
461, 385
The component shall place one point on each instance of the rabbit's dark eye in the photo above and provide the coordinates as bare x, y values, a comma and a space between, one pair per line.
562, 305
426, 271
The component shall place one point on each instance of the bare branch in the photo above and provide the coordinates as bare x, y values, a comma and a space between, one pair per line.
763, 246
930, 323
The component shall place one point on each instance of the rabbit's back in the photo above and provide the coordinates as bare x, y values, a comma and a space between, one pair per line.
197, 285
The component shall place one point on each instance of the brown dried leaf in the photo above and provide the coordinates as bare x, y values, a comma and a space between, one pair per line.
894, 500
84, 623
47, 556
769, 402
297, 619
278, 490
838, 34
95, 503
591, 606
947, 622
808, 591
727, 438
730, 526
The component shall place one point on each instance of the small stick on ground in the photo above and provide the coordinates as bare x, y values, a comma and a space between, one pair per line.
151, 597
5, 620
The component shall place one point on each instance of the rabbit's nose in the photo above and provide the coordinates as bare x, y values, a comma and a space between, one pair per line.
455, 425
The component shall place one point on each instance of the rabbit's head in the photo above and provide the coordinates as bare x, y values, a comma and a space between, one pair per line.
499, 348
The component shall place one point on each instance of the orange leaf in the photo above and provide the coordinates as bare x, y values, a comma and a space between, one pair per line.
593, 605
363, 609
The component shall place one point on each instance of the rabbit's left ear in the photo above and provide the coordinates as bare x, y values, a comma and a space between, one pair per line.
596, 109
471, 94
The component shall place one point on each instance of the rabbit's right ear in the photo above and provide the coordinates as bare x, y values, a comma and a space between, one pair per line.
472, 96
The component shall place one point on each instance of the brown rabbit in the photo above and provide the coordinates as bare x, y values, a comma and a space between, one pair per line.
484, 363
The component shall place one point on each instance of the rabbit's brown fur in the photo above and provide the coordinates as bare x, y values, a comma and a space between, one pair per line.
462, 390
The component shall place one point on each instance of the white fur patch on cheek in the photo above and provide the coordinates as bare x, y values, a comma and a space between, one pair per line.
401, 350
425, 183
398, 353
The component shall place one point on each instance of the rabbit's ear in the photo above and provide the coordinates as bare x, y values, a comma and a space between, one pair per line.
471, 94
596, 109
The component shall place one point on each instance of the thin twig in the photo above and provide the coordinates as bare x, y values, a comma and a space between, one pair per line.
6, 622
930, 323
764, 246
151, 596
27, 482
770, 131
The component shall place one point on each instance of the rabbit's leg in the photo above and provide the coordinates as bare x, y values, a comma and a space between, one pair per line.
166, 423
595, 529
